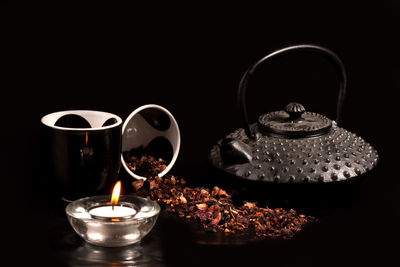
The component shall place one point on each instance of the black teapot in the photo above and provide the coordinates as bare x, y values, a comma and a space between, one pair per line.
294, 145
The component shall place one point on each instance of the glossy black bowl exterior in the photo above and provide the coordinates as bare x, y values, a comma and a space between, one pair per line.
83, 161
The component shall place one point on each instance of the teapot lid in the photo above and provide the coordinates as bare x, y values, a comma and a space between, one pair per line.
294, 122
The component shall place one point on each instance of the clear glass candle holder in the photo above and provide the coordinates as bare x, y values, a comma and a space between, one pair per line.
112, 232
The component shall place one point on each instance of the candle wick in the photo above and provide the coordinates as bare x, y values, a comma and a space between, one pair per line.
112, 207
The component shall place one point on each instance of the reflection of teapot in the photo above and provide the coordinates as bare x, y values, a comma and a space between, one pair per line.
294, 145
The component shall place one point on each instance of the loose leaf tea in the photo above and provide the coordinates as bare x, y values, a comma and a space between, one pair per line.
214, 208
144, 165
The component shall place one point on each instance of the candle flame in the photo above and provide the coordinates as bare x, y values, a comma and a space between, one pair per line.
86, 138
115, 193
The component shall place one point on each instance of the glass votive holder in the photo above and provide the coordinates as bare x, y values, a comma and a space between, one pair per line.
112, 231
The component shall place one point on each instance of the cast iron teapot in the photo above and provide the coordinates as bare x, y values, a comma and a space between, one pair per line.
294, 145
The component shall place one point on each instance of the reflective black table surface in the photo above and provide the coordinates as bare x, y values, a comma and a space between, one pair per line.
357, 230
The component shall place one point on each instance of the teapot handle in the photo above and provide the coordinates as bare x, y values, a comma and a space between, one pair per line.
332, 57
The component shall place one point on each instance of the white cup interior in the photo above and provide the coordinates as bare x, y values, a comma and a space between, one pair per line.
138, 132
96, 119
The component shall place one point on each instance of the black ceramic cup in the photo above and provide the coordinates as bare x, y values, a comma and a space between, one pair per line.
83, 148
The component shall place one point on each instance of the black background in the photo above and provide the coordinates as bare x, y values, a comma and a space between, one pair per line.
190, 59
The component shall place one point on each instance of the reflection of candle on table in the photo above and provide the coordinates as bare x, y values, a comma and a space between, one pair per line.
113, 211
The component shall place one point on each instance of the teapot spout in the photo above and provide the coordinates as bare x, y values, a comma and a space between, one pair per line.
234, 152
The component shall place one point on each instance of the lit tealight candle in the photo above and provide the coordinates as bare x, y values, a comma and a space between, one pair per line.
113, 210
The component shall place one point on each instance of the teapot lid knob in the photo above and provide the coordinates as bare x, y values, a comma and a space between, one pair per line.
294, 122
294, 110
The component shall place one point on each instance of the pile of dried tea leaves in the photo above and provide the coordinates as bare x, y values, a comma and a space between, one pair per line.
144, 165
214, 208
